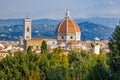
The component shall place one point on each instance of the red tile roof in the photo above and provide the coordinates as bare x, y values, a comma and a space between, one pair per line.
67, 25
43, 39
72, 43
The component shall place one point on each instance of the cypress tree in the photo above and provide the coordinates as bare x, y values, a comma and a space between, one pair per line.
44, 47
114, 56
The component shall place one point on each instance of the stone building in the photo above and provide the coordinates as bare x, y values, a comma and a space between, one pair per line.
68, 36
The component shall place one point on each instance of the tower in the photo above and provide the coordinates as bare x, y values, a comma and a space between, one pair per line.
27, 28
21, 41
96, 46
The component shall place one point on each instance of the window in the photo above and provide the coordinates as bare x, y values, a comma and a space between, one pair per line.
62, 37
27, 29
53, 42
37, 47
71, 37
27, 37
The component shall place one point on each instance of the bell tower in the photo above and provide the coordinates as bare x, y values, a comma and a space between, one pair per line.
96, 46
27, 28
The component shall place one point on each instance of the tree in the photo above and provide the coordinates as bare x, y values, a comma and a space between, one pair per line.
58, 50
20, 67
53, 66
75, 63
44, 47
114, 55
29, 50
100, 70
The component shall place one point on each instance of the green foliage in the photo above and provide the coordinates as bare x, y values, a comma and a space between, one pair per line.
20, 67
58, 50
75, 63
114, 55
44, 47
100, 70
54, 66
29, 50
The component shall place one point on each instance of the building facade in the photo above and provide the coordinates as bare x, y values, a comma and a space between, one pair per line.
68, 36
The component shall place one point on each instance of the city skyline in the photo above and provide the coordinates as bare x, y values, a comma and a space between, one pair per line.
38, 9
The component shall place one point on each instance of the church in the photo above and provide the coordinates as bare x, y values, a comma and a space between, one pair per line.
68, 36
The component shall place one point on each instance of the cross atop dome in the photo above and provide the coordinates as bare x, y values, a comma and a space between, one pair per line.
67, 14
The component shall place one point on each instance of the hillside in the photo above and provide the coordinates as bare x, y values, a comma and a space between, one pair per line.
11, 29
108, 22
91, 30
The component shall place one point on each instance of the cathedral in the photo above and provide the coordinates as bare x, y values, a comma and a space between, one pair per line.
68, 36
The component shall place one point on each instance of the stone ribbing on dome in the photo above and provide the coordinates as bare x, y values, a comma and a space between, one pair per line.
68, 30
62, 26
67, 25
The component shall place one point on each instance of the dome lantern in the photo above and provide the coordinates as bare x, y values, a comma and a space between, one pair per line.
67, 14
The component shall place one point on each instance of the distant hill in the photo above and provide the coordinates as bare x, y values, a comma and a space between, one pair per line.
11, 29
108, 22
4, 22
90, 31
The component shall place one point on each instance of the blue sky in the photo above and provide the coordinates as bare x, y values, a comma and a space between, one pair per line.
38, 9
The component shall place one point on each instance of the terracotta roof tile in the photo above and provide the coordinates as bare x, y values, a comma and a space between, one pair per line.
72, 43
43, 39
67, 25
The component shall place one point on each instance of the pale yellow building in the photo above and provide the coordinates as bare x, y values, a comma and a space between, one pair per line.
36, 43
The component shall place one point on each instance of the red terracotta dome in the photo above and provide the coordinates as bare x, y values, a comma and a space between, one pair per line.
67, 25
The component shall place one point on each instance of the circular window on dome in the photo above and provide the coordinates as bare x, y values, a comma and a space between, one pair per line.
71, 37
62, 37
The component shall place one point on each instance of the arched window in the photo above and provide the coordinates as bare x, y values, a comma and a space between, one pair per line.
27, 29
